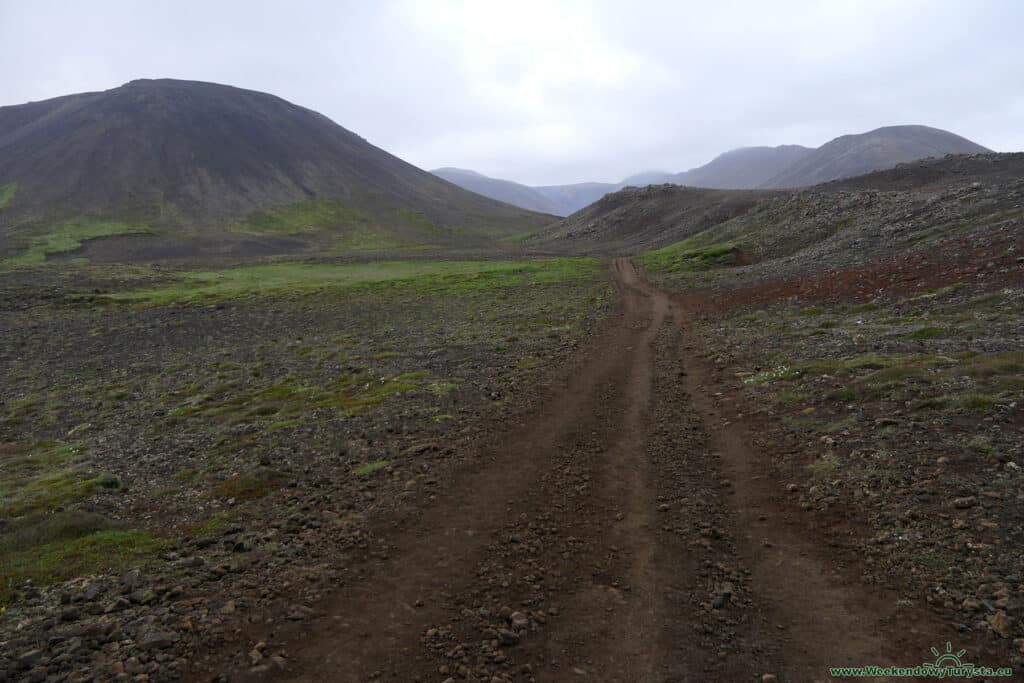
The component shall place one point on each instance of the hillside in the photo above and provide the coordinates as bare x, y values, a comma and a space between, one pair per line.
842, 222
165, 154
743, 168
503, 190
853, 155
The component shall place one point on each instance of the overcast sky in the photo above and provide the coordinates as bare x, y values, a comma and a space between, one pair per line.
555, 92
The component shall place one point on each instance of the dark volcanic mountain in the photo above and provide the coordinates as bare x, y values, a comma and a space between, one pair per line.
503, 190
876, 150
183, 152
743, 168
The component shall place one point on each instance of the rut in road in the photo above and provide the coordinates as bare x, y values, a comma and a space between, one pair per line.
620, 535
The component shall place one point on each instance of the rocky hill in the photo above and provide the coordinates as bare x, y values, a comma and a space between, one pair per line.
853, 155
840, 222
165, 153
743, 168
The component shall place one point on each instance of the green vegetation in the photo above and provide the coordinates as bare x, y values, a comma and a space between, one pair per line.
926, 333
369, 468
285, 279
7, 193
685, 256
69, 237
304, 217
40, 477
67, 547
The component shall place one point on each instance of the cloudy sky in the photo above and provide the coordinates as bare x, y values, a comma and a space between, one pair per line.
555, 92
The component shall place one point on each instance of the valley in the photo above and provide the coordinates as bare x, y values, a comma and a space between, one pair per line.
314, 414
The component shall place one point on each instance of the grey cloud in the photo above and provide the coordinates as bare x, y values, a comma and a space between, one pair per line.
543, 92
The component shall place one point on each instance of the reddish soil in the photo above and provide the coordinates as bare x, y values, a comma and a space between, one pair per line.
629, 531
992, 259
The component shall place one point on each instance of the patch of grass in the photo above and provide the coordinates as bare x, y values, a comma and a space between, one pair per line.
926, 333
812, 311
823, 467
304, 217
7, 193
369, 468
975, 403
778, 373
247, 486
69, 237
412, 277
70, 555
37, 478
684, 256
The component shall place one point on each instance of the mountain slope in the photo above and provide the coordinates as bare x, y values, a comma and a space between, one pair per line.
853, 155
502, 190
743, 168
184, 153
572, 198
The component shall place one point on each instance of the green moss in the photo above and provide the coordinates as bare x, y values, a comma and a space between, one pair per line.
685, 256
63, 559
69, 237
926, 333
975, 403
408, 277
369, 468
304, 217
7, 193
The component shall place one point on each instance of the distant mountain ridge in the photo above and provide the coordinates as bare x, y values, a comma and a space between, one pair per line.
784, 166
876, 150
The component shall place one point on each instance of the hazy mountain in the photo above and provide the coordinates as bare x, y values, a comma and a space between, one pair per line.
648, 178
572, 198
743, 168
502, 190
171, 152
853, 155
746, 168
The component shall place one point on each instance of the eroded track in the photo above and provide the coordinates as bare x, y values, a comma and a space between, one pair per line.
623, 534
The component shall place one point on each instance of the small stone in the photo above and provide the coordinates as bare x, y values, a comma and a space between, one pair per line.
965, 502
29, 658
519, 620
1000, 623
155, 638
769, 678
507, 637
228, 608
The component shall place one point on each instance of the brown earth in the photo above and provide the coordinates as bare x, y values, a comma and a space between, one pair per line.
632, 529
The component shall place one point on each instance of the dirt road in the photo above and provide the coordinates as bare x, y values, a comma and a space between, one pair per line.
628, 532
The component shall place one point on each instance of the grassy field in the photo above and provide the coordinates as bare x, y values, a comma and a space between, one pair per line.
289, 279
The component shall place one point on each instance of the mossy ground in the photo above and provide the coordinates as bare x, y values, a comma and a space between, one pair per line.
68, 237
205, 396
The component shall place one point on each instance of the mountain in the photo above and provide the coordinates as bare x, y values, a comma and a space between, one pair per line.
882, 148
164, 153
844, 219
743, 168
572, 198
753, 167
502, 190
